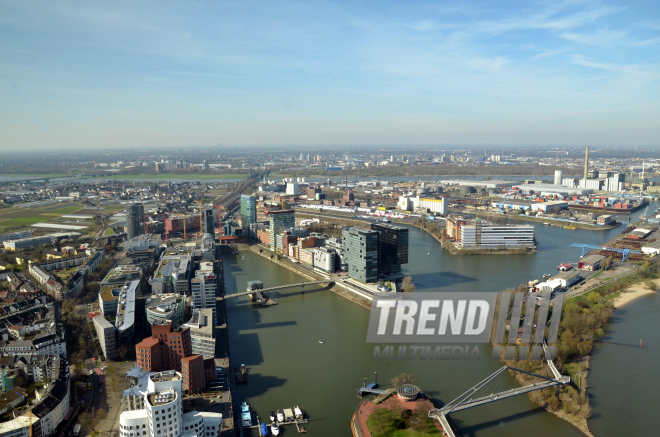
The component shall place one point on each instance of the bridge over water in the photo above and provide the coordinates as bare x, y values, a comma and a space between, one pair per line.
467, 400
279, 287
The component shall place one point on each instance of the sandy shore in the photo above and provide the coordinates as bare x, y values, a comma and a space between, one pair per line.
632, 293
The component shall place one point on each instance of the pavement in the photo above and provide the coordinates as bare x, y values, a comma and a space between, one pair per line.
109, 427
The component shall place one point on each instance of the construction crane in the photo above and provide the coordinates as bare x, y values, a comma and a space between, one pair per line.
625, 252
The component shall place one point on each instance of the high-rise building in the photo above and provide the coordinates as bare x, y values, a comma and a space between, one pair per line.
360, 247
134, 219
209, 224
164, 349
392, 248
248, 212
279, 222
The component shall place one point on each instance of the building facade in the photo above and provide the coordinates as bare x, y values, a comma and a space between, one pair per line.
202, 333
279, 222
208, 220
203, 288
392, 248
248, 213
494, 236
105, 332
360, 247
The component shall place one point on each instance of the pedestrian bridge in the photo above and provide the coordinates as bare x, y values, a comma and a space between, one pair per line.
467, 399
279, 287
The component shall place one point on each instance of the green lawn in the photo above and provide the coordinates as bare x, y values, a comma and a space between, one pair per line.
389, 430
23, 221
109, 231
173, 176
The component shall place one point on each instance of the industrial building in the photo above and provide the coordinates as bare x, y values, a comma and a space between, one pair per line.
360, 247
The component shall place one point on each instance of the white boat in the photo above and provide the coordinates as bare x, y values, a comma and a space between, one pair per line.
298, 412
321, 341
280, 416
275, 429
272, 416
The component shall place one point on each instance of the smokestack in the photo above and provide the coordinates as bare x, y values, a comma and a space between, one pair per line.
586, 163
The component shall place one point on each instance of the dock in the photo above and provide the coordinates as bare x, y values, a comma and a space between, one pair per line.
296, 422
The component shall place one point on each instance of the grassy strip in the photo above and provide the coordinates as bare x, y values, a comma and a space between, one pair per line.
173, 176
388, 423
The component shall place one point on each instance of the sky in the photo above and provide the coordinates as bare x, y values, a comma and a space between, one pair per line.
98, 74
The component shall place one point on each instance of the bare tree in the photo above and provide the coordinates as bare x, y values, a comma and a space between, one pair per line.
407, 286
404, 378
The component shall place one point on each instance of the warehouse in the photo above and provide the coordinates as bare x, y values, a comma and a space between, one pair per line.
590, 263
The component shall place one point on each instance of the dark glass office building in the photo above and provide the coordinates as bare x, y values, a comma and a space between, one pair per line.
134, 220
209, 223
360, 248
392, 248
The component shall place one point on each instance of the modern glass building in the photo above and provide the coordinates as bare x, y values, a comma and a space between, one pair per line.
134, 219
207, 216
280, 221
360, 247
392, 248
248, 213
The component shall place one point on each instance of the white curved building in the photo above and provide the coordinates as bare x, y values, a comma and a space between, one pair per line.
162, 415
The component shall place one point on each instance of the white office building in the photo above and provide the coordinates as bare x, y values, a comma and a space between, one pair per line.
203, 287
162, 415
324, 259
494, 236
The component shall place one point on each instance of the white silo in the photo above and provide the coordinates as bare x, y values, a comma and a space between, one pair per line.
559, 175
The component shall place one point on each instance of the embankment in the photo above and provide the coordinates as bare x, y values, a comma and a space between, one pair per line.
305, 273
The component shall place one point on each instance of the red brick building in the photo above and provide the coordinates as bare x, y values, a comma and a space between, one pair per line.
192, 369
169, 349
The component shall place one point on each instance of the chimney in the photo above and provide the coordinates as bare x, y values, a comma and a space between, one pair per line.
586, 163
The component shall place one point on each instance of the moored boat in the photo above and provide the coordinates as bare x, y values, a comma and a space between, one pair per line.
263, 429
246, 417
298, 412
272, 416
280, 416
275, 429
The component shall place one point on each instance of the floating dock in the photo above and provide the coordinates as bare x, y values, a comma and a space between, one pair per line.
298, 422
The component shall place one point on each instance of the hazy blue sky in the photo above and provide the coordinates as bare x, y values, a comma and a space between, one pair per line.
140, 73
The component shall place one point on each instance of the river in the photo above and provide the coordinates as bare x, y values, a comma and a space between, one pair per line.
288, 366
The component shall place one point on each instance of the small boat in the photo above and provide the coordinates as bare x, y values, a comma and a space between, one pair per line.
272, 416
275, 429
246, 417
280, 416
565, 267
546, 223
428, 254
298, 412
263, 429
321, 341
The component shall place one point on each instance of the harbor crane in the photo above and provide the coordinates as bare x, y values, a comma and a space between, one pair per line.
625, 252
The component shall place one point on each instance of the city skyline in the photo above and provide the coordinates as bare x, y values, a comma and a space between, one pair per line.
147, 75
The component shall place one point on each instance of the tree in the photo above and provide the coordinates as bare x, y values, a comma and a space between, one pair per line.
86, 419
650, 284
403, 378
408, 286
122, 351
606, 263
594, 297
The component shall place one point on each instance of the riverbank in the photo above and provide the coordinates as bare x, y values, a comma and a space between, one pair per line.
576, 419
306, 273
455, 250
528, 218
633, 292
